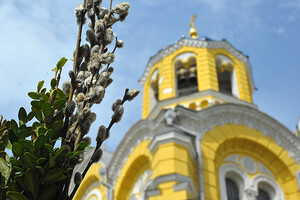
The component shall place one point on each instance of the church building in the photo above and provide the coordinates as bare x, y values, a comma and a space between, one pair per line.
200, 136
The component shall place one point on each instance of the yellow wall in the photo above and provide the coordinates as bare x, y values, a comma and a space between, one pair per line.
224, 141
169, 158
206, 75
91, 177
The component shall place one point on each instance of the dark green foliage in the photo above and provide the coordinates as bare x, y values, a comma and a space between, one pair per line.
36, 167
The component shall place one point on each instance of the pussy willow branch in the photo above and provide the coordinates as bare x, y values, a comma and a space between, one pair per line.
99, 143
77, 50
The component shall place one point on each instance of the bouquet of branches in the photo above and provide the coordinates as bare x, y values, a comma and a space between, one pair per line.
40, 167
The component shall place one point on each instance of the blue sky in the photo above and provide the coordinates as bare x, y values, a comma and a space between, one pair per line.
34, 35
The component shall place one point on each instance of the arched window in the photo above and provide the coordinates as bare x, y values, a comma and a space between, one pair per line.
262, 195
186, 74
232, 190
226, 75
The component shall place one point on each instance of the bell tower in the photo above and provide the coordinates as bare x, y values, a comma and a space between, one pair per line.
196, 73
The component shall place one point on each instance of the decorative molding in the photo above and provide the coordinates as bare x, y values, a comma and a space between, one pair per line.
235, 173
298, 179
199, 122
249, 164
92, 191
220, 96
269, 185
199, 44
233, 158
263, 169
184, 183
172, 137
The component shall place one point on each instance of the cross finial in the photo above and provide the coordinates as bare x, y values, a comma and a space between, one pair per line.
193, 31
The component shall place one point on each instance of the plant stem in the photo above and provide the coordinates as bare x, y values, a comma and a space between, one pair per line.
77, 51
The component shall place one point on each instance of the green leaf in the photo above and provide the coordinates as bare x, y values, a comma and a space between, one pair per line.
60, 94
56, 127
12, 136
40, 141
36, 104
61, 63
42, 131
33, 95
4, 169
23, 134
59, 104
81, 146
41, 170
42, 161
15, 162
13, 195
13, 125
49, 134
30, 160
45, 96
51, 161
30, 116
48, 192
27, 145
49, 148
22, 116
40, 85
31, 181
20, 180
53, 83
76, 154
53, 175
17, 149
47, 109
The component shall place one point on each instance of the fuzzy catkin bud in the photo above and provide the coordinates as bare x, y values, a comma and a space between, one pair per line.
99, 26
102, 12
101, 134
66, 87
77, 178
91, 37
71, 74
88, 140
97, 155
132, 94
119, 44
123, 16
84, 114
116, 103
80, 97
79, 11
109, 81
96, 94
118, 113
97, 2
107, 58
109, 36
70, 107
121, 8
95, 49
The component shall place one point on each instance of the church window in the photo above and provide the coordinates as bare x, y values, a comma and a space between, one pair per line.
226, 75
186, 74
262, 195
232, 189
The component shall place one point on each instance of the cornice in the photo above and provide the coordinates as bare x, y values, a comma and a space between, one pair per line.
200, 122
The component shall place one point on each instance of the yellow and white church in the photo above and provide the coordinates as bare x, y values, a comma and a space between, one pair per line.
200, 136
